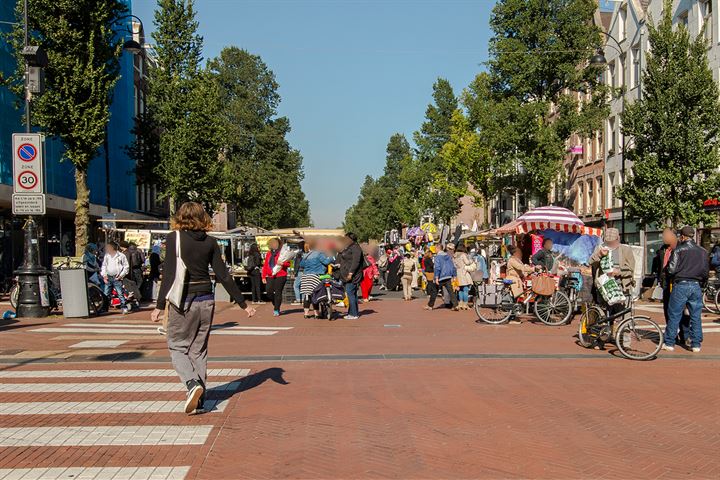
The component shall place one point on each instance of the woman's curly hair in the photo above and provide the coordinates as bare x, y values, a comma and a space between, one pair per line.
192, 216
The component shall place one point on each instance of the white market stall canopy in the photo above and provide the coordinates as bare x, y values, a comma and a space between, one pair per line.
552, 218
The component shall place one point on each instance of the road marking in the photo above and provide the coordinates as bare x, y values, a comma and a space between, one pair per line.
154, 327
99, 344
159, 372
104, 435
95, 473
93, 408
124, 387
114, 331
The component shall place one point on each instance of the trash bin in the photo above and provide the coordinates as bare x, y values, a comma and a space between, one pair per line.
74, 290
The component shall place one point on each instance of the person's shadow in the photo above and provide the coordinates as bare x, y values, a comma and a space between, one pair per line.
256, 379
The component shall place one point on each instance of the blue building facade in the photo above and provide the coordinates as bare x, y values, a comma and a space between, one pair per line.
57, 230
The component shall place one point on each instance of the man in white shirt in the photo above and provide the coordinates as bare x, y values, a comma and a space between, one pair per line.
115, 267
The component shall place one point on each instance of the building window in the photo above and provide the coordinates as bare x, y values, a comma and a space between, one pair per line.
683, 19
590, 205
621, 71
611, 137
599, 195
622, 27
580, 198
612, 74
705, 19
599, 151
635, 59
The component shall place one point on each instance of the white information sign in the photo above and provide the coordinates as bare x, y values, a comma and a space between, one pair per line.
28, 204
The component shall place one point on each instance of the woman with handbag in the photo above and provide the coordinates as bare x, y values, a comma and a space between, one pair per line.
186, 292
464, 265
275, 278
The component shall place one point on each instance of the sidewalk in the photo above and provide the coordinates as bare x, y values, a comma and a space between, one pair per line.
400, 393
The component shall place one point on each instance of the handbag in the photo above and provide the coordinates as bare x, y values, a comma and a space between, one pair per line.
175, 295
544, 286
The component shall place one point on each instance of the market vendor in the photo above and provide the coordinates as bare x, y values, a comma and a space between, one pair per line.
544, 257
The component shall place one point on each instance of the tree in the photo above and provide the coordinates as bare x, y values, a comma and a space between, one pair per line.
433, 134
83, 51
264, 166
183, 115
675, 129
540, 55
380, 204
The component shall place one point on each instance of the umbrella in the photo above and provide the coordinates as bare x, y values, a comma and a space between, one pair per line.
429, 227
554, 218
415, 232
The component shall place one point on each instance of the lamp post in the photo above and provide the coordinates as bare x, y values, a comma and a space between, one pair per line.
31, 295
599, 60
133, 47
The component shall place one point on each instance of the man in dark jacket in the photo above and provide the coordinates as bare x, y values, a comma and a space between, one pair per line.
351, 272
670, 243
688, 271
544, 257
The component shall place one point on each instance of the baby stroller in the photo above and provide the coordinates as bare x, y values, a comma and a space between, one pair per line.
326, 294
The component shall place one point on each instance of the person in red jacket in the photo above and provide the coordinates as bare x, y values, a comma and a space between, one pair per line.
274, 284
369, 275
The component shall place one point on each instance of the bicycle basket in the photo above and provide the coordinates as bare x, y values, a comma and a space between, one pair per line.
544, 286
489, 295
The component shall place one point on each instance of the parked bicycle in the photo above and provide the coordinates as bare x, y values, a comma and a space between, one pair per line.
637, 337
495, 304
711, 296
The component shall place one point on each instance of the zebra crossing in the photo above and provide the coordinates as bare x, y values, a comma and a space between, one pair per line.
145, 329
51, 410
708, 327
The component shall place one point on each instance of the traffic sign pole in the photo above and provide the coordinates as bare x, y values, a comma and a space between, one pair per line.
29, 199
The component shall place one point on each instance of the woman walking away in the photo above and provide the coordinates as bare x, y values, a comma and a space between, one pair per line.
189, 323
254, 264
313, 264
429, 272
275, 282
464, 265
409, 266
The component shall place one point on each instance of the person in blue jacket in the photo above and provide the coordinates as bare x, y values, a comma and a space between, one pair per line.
313, 264
445, 272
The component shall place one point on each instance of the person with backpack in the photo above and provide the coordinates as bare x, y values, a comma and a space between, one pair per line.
191, 303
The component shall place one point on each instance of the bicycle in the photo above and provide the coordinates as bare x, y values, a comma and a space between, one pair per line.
711, 296
637, 337
499, 306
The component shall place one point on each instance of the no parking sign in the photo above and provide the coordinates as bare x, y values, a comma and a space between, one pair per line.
28, 184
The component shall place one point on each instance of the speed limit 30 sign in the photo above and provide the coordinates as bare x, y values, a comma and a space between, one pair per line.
28, 163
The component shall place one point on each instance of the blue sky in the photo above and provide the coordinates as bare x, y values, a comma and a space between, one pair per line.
351, 73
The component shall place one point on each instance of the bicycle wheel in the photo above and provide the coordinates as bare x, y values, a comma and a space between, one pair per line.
14, 295
97, 299
494, 312
710, 296
717, 301
553, 310
590, 326
639, 338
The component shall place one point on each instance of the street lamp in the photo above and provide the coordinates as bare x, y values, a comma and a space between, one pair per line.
135, 48
599, 60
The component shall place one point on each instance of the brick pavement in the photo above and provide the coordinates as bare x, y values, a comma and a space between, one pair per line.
538, 406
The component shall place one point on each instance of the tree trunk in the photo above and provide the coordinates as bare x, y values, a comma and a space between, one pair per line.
82, 211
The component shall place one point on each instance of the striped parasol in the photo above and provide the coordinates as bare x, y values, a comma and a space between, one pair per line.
553, 218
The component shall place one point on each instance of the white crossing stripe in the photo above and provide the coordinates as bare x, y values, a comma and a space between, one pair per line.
154, 327
137, 373
92, 408
125, 331
105, 435
99, 344
95, 473
124, 387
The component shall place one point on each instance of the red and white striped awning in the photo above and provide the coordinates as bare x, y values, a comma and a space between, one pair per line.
553, 218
